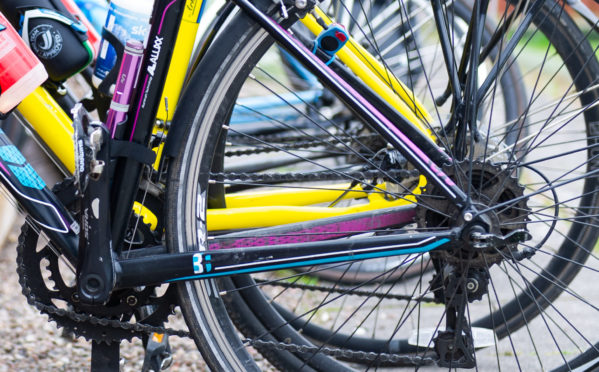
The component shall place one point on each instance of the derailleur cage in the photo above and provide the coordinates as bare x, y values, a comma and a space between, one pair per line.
455, 345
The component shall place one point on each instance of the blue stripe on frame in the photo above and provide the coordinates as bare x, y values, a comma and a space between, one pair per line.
396, 252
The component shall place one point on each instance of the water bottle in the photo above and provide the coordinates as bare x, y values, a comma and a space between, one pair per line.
127, 19
20, 70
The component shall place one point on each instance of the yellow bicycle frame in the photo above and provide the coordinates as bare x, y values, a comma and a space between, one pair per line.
54, 128
375, 75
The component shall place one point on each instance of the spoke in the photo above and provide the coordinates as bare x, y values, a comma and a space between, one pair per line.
336, 126
544, 315
549, 303
551, 278
505, 321
531, 338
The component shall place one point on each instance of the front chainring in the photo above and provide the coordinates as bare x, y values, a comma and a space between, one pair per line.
49, 285
43, 282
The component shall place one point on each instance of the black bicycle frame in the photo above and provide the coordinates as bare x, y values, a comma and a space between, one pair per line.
159, 268
166, 19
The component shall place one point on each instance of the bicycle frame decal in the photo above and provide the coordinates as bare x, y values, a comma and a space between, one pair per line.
151, 62
201, 263
30, 191
20, 168
54, 220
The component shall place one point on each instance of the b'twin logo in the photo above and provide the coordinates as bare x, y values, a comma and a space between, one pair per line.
46, 40
156, 47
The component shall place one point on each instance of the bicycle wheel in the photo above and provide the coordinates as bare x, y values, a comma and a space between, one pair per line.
299, 323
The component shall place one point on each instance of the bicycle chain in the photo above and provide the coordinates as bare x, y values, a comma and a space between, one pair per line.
346, 354
291, 143
245, 139
316, 176
139, 329
136, 329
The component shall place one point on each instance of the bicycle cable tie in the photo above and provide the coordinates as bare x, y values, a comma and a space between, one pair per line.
330, 41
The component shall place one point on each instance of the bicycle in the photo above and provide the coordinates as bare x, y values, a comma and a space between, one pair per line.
470, 206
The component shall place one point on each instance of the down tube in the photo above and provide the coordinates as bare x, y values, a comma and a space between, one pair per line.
28, 188
426, 159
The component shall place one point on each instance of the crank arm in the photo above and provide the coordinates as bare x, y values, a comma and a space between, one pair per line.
95, 271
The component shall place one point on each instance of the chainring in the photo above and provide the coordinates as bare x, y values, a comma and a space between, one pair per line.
50, 287
43, 282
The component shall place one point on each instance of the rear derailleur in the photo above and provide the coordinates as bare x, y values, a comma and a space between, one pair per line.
455, 345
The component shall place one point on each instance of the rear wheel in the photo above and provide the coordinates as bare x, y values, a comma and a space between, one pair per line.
331, 160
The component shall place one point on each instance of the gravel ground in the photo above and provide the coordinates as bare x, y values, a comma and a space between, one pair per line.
28, 342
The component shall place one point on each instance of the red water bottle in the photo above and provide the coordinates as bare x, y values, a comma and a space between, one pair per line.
20, 70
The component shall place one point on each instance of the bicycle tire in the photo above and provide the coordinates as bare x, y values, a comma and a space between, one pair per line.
253, 313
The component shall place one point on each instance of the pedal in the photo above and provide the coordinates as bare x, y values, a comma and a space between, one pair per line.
158, 353
330, 41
